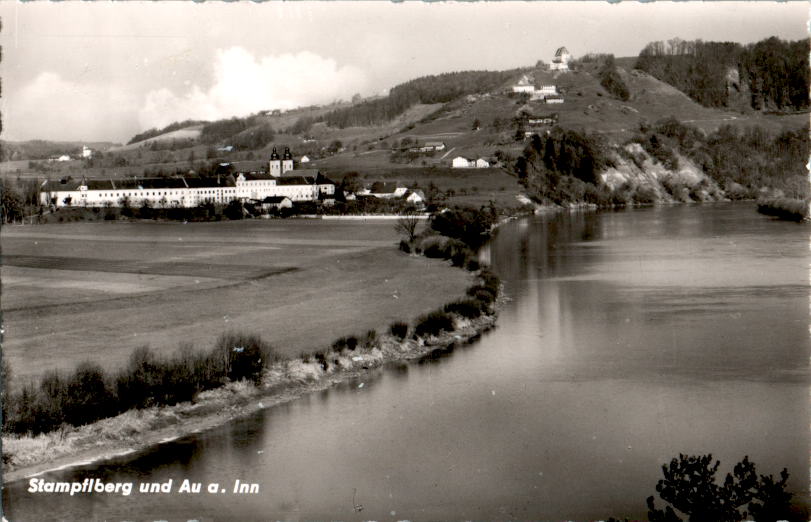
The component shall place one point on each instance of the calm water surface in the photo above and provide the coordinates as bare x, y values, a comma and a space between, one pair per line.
630, 337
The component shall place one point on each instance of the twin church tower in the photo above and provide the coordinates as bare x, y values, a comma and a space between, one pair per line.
278, 166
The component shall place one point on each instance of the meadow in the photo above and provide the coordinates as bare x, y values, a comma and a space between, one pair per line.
97, 291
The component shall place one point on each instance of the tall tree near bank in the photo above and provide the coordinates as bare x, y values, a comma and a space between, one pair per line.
689, 487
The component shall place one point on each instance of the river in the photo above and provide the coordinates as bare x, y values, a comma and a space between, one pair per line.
630, 337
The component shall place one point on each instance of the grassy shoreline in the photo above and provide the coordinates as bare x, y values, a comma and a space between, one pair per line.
282, 381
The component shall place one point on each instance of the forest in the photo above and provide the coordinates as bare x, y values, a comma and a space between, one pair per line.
771, 74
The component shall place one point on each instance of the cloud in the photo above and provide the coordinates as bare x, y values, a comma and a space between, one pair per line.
243, 84
50, 107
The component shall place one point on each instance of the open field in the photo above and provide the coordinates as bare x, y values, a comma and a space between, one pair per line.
98, 290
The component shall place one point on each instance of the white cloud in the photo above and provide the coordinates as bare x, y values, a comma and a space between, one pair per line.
243, 84
51, 107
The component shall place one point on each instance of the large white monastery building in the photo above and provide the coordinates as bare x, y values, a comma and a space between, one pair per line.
281, 179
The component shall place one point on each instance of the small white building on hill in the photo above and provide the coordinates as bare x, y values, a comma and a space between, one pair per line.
460, 162
482, 163
561, 60
525, 84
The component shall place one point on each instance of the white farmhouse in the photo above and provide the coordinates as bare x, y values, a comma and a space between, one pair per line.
524, 85
304, 159
87, 153
460, 162
482, 163
415, 196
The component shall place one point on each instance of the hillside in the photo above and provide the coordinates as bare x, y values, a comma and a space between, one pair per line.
475, 115
44, 149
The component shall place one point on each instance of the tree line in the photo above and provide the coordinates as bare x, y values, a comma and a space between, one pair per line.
771, 74
440, 88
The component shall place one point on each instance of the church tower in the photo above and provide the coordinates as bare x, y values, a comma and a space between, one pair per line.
275, 164
287, 160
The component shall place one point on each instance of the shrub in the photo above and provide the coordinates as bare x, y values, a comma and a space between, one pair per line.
467, 308
490, 281
481, 293
784, 208
472, 264
321, 358
433, 323
433, 246
405, 246
399, 330
349, 342
245, 355
370, 339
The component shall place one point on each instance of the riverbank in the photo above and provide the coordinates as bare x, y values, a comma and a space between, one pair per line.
282, 382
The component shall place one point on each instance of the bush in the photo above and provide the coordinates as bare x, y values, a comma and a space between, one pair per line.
481, 293
399, 330
321, 358
245, 355
370, 339
405, 246
490, 281
472, 264
433, 323
467, 308
348, 342
784, 208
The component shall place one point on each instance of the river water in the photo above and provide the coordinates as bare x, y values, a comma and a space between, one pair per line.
630, 337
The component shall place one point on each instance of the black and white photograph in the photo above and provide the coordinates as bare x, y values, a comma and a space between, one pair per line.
405, 261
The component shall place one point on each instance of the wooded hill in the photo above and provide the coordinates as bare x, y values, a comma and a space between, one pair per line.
771, 74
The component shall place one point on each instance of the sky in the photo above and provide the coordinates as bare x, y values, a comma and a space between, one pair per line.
104, 71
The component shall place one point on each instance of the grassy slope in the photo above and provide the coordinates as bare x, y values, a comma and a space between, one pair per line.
587, 106
351, 278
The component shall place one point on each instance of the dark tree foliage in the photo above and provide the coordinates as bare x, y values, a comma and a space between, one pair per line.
253, 138
440, 88
777, 73
611, 80
219, 130
151, 133
752, 157
12, 202
774, 72
558, 166
467, 224
690, 487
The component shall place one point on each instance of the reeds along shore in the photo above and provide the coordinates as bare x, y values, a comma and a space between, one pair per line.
785, 208
88, 394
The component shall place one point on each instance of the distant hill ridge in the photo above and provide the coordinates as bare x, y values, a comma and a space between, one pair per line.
701, 82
